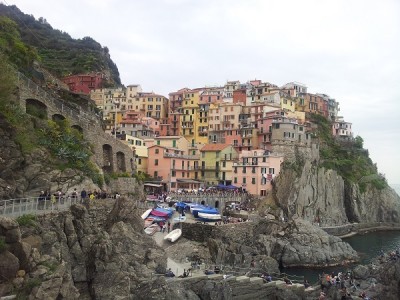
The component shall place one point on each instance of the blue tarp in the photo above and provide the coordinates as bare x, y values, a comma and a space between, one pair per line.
226, 187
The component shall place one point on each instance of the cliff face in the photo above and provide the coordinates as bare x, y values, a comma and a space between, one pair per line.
102, 253
27, 174
321, 196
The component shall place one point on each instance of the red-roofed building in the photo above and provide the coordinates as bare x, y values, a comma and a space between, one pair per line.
84, 83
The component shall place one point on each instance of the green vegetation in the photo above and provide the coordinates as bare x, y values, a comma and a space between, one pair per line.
3, 245
141, 177
28, 220
58, 52
28, 286
347, 157
52, 266
20, 54
68, 146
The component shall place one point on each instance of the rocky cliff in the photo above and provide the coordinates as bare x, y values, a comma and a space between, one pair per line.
28, 173
322, 196
270, 244
95, 254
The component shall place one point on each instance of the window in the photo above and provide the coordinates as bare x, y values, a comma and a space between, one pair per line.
183, 174
158, 142
155, 174
173, 174
253, 180
235, 180
244, 180
271, 171
174, 143
139, 161
157, 151
244, 170
203, 154
253, 169
235, 170
156, 162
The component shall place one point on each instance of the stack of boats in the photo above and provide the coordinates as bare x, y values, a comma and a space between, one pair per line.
200, 212
154, 216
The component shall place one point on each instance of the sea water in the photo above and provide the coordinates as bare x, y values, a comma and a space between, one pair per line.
367, 245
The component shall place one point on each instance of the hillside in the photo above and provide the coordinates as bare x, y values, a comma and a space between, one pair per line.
57, 51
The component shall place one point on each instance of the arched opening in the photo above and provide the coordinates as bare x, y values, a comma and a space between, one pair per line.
203, 202
121, 167
58, 118
78, 128
36, 108
217, 204
107, 159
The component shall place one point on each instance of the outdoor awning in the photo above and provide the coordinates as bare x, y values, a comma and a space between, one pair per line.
188, 181
153, 184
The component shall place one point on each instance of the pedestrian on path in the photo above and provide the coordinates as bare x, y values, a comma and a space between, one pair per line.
169, 226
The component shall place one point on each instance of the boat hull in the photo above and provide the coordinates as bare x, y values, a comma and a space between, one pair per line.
173, 235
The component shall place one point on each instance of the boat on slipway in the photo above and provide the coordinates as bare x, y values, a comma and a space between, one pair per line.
209, 217
146, 213
152, 229
180, 219
173, 236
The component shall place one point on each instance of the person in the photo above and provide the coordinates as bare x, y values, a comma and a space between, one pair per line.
163, 227
252, 263
306, 283
169, 226
322, 296
53, 201
74, 196
169, 273
287, 281
83, 195
41, 199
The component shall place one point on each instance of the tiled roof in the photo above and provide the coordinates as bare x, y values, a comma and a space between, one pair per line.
214, 147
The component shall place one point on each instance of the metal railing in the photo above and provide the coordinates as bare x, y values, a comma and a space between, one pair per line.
17, 207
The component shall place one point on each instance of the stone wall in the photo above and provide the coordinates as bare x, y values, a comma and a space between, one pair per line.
89, 122
288, 149
349, 229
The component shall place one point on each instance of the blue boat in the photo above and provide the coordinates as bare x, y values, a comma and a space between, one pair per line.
204, 209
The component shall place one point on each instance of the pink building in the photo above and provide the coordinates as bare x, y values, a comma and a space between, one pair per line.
255, 171
172, 168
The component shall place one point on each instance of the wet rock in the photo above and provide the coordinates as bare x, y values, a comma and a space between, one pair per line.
361, 272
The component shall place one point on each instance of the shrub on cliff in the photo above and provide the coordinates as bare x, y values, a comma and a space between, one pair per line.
347, 157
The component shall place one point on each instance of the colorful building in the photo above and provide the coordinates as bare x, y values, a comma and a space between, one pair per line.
216, 162
84, 83
255, 170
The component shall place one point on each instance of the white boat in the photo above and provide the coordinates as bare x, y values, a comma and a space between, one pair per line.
146, 213
210, 217
180, 219
173, 235
152, 229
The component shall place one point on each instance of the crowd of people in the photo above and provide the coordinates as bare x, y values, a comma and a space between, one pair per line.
83, 197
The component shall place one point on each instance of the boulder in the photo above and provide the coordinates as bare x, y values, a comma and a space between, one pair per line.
34, 240
9, 228
361, 272
9, 265
22, 251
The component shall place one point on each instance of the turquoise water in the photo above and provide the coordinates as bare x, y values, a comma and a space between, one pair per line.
367, 245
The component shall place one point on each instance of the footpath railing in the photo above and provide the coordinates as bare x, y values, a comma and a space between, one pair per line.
17, 207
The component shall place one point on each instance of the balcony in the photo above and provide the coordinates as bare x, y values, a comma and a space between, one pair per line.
210, 168
174, 155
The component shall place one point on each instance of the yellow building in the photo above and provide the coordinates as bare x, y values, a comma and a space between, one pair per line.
288, 103
151, 105
216, 163
190, 111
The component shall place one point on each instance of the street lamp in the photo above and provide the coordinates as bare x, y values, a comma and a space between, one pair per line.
116, 103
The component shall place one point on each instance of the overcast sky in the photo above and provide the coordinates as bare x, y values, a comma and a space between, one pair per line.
347, 49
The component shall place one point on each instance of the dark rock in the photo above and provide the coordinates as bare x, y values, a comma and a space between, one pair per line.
9, 265
361, 272
22, 251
